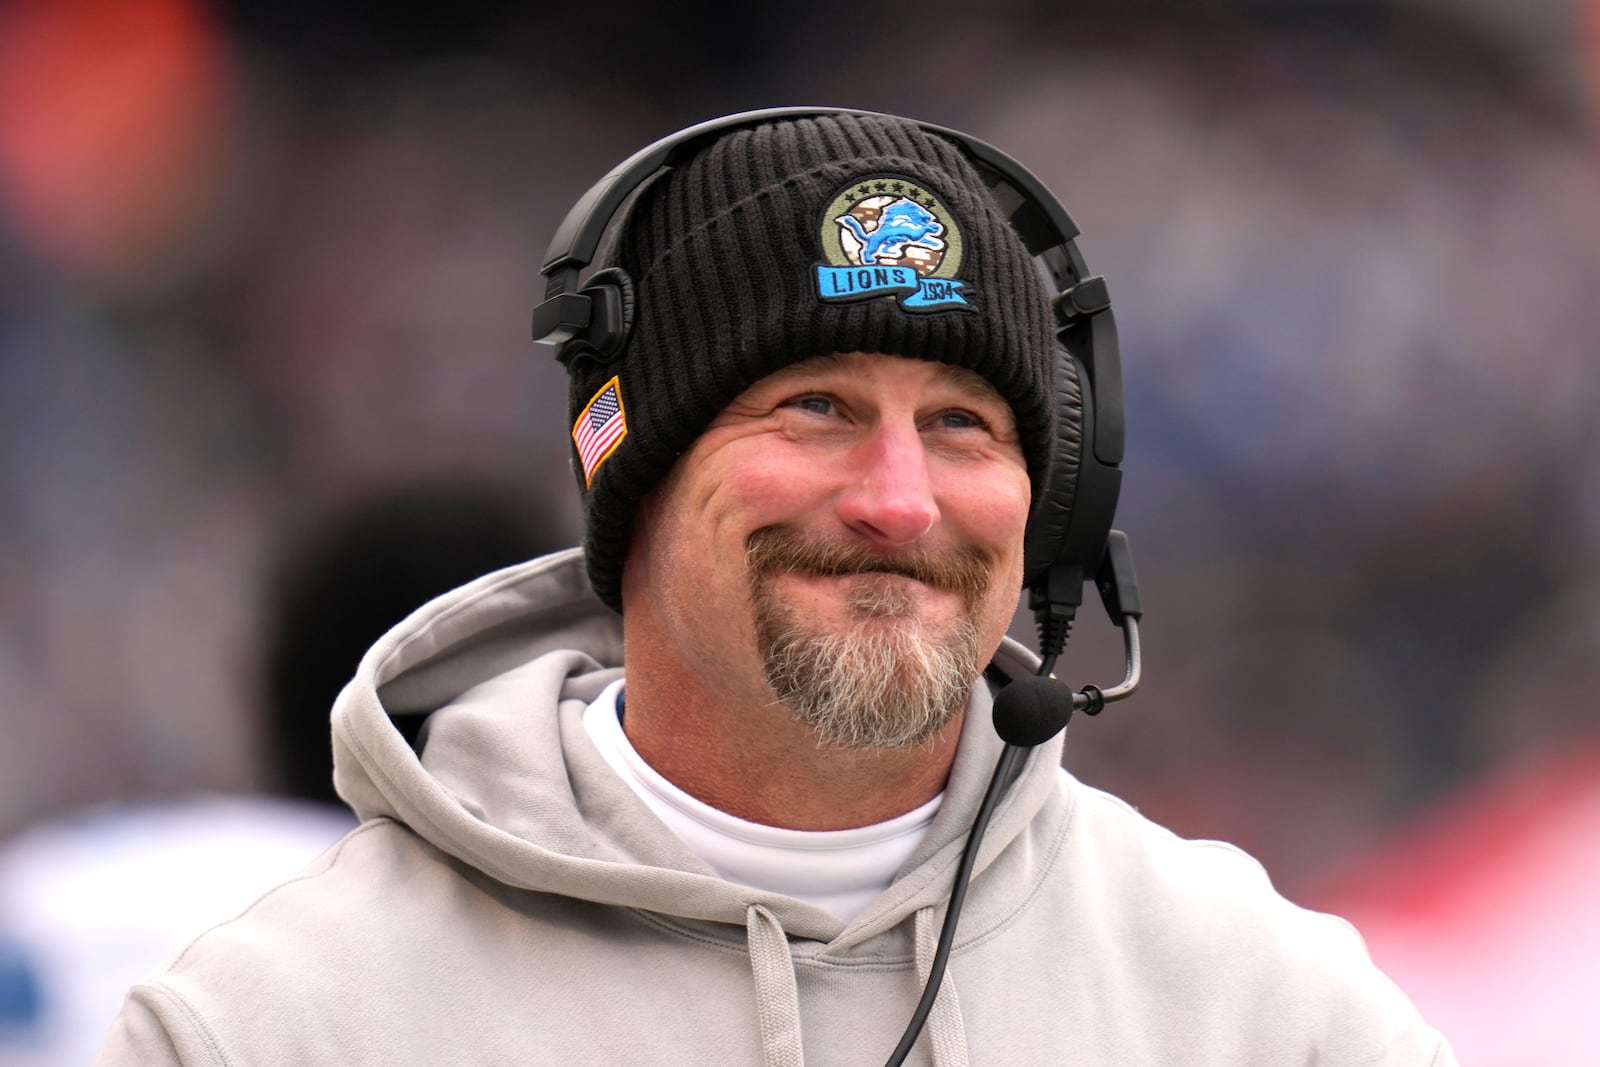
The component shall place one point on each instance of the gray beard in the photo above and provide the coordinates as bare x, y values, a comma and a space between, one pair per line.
885, 683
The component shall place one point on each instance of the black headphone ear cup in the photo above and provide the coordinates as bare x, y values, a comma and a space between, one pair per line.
611, 307
613, 291
1051, 514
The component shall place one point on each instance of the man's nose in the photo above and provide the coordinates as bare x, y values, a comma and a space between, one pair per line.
890, 500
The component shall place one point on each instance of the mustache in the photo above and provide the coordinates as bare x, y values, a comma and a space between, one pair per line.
781, 549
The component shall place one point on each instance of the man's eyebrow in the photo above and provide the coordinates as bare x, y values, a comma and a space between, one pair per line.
964, 376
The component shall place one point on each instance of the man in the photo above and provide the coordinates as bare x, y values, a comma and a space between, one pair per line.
699, 793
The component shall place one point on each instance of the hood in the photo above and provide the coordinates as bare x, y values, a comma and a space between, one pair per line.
509, 783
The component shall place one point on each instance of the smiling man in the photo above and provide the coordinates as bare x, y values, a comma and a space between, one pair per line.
812, 590
699, 792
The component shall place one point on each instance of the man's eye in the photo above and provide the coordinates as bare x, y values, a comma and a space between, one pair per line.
959, 420
817, 405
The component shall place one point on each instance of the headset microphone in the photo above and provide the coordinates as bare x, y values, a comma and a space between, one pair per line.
1031, 710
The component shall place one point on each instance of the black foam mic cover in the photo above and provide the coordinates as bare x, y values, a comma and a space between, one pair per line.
1031, 710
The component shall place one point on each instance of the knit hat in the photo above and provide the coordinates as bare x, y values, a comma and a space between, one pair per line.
787, 240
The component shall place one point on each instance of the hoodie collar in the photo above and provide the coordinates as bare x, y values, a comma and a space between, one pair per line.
509, 782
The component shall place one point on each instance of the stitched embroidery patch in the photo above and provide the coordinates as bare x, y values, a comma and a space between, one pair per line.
886, 235
600, 428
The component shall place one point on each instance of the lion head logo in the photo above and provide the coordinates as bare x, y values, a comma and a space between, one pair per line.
885, 234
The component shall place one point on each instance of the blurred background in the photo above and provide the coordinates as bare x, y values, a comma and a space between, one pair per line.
266, 270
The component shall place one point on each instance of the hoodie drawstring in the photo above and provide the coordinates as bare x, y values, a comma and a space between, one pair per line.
946, 1031
777, 999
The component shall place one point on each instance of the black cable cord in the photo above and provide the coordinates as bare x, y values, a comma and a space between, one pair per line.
958, 894
1054, 617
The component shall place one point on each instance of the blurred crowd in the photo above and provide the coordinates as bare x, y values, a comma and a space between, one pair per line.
267, 268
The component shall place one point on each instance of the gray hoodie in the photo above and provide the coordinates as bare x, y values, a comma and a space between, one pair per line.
508, 899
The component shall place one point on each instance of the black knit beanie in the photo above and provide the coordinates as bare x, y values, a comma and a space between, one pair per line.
789, 240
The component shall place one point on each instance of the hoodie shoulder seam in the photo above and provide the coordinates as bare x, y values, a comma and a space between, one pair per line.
194, 1020
332, 858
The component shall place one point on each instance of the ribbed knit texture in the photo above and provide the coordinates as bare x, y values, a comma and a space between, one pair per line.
723, 253
777, 995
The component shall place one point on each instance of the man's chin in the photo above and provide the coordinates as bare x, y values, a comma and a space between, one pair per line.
881, 684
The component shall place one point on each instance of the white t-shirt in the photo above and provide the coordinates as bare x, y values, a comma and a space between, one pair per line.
840, 870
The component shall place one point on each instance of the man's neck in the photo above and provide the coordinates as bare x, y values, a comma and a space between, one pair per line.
747, 755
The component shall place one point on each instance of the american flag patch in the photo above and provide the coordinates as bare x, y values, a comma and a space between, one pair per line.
600, 428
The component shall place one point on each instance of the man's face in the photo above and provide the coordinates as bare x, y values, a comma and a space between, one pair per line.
845, 537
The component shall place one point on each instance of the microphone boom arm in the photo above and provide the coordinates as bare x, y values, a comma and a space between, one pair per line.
1091, 699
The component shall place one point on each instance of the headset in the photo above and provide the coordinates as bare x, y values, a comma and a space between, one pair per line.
1068, 537
1070, 523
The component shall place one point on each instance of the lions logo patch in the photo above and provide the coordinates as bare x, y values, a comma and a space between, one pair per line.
886, 235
